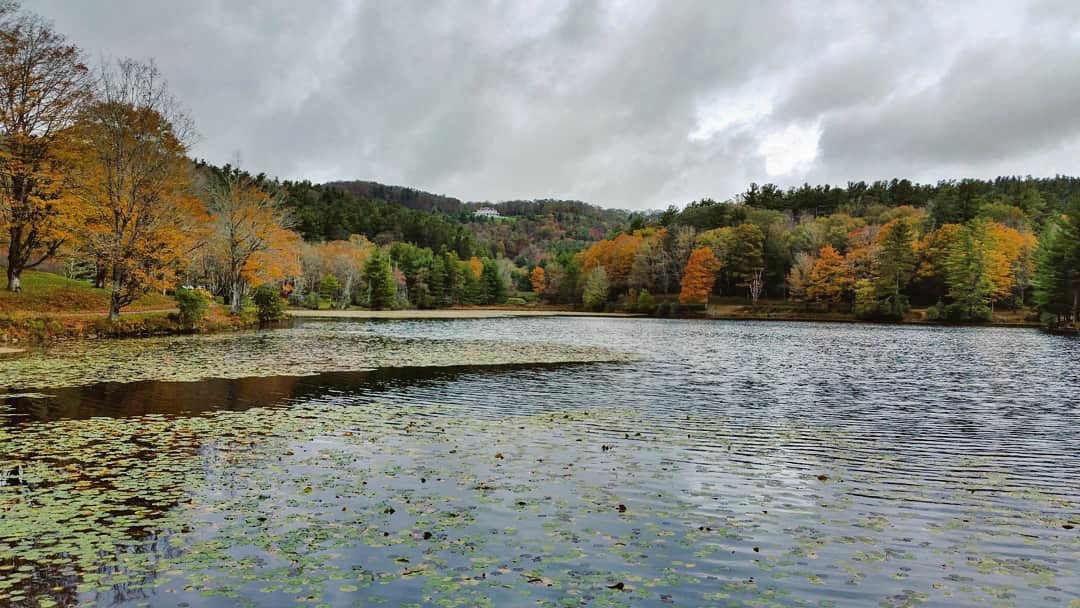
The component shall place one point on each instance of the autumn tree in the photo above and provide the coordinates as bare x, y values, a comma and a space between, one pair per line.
699, 277
616, 256
536, 279
44, 85
798, 278
650, 269
1011, 260
830, 279
144, 219
248, 234
933, 252
595, 294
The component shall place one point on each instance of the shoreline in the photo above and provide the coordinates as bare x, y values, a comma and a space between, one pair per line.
508, 313
450, 313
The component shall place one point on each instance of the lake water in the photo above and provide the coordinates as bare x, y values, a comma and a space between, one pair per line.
545, 462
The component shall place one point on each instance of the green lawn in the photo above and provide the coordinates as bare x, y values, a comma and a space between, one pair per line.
48, 292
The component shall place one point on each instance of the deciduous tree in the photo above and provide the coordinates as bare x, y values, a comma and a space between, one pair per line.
699, 277
831, 279
248, 234
595, 294
536, 279
44, 84
144, 219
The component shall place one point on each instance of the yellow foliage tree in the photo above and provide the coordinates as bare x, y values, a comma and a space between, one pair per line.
1010, 259
144, 221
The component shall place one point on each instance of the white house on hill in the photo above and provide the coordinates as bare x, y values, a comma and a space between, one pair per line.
486, 212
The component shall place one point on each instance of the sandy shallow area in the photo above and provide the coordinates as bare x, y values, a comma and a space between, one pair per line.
449, 313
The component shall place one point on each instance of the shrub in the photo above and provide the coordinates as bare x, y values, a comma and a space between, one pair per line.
646, 303
192, 304
515, 301
311, 300
270, 304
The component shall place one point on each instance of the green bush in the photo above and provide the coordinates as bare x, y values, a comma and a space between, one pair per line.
192, 305
270, 304
311, 300
515, 301
646, 303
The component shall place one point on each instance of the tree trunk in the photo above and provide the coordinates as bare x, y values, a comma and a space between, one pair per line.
1076, 305
13, 280
235, 304
114, 306
14, 267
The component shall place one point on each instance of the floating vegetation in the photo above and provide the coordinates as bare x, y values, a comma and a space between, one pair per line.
328, 504
308, 349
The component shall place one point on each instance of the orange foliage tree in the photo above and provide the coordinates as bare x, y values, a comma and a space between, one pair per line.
43, 86
699, 276
143, 222
616, 256
536, 279
831, 278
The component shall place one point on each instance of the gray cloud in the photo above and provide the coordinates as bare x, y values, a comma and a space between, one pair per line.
624, 104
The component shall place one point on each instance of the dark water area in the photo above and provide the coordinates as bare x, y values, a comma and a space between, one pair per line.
722, 463
124, 399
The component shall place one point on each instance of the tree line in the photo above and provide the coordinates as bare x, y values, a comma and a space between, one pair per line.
1015, 244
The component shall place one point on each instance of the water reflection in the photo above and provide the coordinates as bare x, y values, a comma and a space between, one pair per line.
124, 399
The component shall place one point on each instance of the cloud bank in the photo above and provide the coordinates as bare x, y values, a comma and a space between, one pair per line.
625, 104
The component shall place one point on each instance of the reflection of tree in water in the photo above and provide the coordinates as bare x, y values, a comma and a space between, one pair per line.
234, 394
123, 525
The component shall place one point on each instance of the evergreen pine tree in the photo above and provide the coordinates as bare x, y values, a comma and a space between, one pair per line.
382, 290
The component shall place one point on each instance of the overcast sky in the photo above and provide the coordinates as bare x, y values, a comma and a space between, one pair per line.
625, 104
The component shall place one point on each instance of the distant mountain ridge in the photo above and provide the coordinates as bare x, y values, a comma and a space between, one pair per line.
408, 197
427, 201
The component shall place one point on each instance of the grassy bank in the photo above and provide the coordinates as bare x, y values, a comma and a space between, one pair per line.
51, 308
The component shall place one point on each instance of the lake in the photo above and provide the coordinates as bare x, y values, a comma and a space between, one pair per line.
545, 462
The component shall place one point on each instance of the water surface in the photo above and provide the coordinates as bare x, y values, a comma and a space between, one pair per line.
692, 464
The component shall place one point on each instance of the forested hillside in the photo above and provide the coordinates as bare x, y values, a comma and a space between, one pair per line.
961, 248
408, 197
